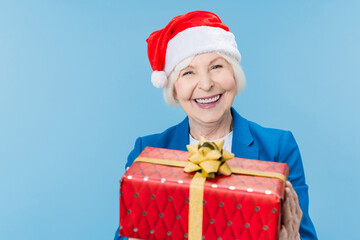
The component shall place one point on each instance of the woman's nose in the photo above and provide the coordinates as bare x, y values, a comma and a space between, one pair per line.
205, 82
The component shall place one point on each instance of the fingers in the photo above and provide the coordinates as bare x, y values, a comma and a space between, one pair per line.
292, 213
283, 235
292, 209
288, 214
294, 201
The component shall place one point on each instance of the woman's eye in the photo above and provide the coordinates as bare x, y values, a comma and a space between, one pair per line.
186, 73
216, 66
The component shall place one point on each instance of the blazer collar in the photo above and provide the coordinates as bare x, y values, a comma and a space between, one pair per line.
180, 137
241, 129
242, 143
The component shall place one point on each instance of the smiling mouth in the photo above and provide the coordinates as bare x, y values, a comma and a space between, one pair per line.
208, 100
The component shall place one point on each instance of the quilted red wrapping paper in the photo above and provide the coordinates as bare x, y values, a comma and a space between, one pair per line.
154, 200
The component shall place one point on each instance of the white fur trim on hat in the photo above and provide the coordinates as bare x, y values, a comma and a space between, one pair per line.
198, 40
159, 79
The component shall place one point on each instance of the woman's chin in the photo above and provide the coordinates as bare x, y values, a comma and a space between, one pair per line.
211, 117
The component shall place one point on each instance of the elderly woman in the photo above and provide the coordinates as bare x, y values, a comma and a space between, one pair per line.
196, 60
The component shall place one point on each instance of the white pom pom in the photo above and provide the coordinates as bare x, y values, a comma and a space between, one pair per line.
159, 79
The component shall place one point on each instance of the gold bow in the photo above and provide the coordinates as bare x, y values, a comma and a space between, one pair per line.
209, 157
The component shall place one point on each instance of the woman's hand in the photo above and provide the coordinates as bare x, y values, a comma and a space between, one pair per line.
291, 216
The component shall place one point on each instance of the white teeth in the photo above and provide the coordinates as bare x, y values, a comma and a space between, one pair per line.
208, 100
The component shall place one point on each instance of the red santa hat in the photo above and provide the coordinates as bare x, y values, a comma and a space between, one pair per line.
184, 36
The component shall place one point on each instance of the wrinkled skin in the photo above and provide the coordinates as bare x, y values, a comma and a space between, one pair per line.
292, 214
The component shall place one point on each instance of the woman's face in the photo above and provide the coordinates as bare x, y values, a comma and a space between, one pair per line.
206, 88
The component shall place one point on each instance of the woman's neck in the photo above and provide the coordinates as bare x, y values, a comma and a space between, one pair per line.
211, 131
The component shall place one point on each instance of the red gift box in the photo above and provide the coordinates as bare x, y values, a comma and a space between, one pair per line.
154, 200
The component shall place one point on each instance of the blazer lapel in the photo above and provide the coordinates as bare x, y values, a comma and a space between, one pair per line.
242, 143
180, 137
242, 151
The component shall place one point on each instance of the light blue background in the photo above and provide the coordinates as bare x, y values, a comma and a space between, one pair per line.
75, 92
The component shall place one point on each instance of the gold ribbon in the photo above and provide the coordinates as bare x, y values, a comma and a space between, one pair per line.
196, 197
210, 158
166, 162
243, 171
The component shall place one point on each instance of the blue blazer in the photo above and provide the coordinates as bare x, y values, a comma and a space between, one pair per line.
252, 141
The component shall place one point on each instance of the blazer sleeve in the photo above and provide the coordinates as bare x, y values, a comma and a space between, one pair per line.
290, 154
133, 154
